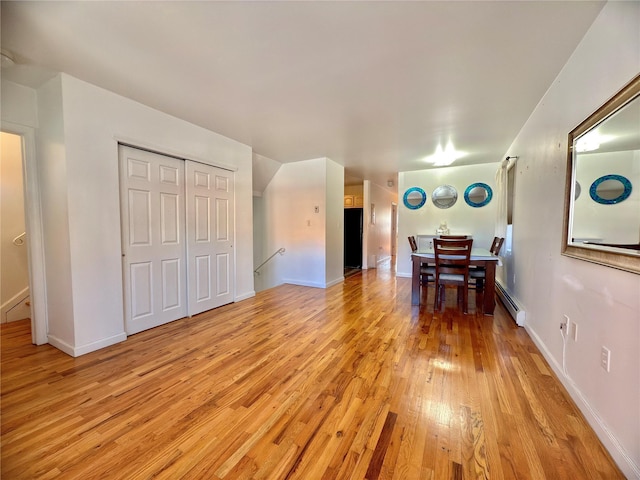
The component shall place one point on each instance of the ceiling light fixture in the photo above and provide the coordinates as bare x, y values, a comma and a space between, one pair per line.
444, 157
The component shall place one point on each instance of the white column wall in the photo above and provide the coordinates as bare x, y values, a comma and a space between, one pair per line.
334, 223
460, 218
52, 168
604, 302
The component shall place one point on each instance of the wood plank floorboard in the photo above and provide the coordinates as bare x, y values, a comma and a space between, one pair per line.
351, 382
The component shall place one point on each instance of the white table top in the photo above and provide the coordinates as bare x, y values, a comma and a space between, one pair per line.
477, 253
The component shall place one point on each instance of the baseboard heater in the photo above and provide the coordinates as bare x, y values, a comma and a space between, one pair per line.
511, 304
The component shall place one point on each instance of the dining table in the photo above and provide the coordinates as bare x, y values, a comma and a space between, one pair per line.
480, 257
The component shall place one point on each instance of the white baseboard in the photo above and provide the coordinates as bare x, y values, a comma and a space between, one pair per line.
610, 442
335, 282
12, 303
304, 283
89, 347
384, 259
245, 296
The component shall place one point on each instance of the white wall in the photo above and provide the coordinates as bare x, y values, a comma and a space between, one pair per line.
313, 241
78, 148
292, 223
14, 271
460, 218
19, 104
604, 302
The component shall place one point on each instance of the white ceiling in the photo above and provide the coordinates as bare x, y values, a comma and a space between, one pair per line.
372, 85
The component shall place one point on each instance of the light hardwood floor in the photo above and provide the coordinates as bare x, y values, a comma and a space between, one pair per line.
347, 382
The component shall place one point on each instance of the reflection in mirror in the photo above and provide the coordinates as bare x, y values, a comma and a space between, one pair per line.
604, 152
610, 189
445, 196
414, 198
478, 195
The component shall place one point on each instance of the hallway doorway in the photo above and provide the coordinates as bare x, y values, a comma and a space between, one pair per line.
30, 238
14, 267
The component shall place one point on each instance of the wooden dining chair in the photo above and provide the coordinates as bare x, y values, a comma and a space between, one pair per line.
452, 259
496, 245
477, 274
412, 243
427, 272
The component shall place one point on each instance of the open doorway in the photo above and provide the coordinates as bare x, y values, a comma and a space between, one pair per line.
353, 230
14, 267
29, 239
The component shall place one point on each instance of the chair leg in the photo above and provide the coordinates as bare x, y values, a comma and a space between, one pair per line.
440, 298
465, 299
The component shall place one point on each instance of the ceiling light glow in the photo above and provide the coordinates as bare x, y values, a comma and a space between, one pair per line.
444, 157
591, 141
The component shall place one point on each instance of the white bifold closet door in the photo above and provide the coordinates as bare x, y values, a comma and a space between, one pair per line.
177, 231
210, 236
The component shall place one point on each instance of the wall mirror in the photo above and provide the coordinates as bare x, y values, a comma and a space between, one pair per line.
478, 195
444, 196
577, 191
414, 198
604, 153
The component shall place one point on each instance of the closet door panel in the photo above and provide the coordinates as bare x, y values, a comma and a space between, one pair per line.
210, 236
153, 246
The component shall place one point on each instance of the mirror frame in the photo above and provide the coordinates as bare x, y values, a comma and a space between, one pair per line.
487, 199
405, 198
611, 257
444, 188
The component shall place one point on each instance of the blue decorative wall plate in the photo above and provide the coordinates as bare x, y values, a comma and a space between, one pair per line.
414, 198
472, 202
625, 189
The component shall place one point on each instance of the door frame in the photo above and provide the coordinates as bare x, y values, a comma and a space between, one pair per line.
35, 237
394, 229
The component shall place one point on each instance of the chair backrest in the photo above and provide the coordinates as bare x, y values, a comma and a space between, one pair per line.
412, 243
496, 245
454, 237
452, 256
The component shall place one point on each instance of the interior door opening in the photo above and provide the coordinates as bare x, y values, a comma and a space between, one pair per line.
15, 297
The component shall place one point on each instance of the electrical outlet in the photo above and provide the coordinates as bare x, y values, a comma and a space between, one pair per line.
564, 325
573, 331
605, 358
